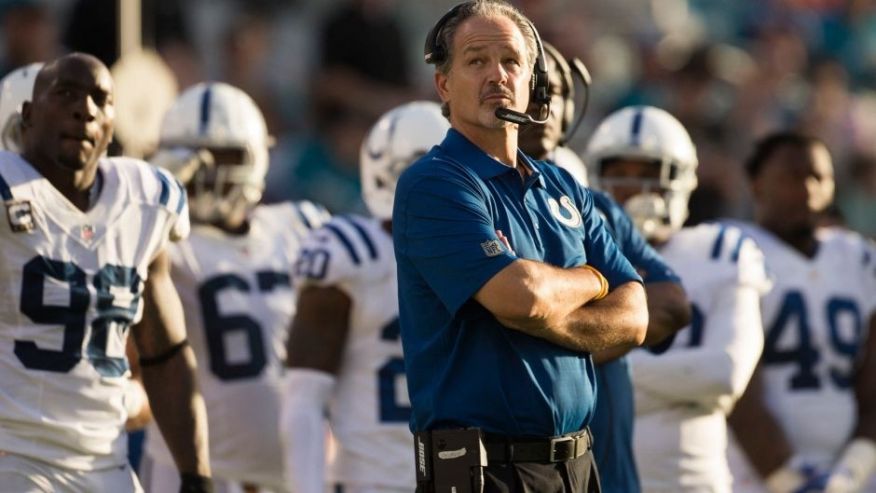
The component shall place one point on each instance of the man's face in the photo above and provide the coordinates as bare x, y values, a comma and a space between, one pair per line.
624, 178
794, 186
539, 140
489, 70
70, 121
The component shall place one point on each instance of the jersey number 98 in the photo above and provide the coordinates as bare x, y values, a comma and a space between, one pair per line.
118, 298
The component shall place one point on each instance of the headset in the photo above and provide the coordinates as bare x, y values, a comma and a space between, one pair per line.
436, 53
569, 69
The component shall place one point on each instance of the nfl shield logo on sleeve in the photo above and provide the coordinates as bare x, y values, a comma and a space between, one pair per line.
493, 248
20, 215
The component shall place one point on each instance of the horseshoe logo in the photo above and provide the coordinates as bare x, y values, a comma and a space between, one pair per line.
573, 219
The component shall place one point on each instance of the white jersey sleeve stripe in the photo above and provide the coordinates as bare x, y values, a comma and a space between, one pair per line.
372, 251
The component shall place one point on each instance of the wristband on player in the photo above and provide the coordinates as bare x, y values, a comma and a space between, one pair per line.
165, 356
603, 282
195, 483
785, 479
852, 471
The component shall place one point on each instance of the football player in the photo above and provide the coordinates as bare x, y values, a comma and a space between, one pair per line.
85, 258
345, 355
234, 276
16, 88
808, 422
684, 386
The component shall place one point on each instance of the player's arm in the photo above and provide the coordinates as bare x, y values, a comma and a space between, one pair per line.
168, 371
763, 440
668, 310
314, 349
716, 372
136, 402
857, 462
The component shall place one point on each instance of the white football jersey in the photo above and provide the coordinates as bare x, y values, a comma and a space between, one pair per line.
239, 301
815, 321
369, 410
686, 385
73, 286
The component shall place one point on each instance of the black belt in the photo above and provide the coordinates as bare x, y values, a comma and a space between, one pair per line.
545, 450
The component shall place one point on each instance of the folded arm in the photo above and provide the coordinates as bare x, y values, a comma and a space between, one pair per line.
557, 304
716, 371
168, 372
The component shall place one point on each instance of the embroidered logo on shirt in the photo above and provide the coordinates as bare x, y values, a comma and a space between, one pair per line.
20, 215
86, 232
493, 248
573, 220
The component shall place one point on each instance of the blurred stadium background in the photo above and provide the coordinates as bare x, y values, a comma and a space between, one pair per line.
322, 71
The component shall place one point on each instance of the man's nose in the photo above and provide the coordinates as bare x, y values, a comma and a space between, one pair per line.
498, 74
85, 109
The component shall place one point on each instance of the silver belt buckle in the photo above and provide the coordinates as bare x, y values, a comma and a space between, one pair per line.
556, 441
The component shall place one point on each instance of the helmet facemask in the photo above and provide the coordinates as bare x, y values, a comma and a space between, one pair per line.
658, 207
223, 188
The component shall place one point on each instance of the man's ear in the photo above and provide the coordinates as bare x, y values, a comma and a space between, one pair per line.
756, 187
441, 82
25, 114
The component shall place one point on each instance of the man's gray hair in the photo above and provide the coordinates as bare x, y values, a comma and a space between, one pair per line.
485, 8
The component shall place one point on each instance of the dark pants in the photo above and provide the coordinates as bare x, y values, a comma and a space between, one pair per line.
574, 476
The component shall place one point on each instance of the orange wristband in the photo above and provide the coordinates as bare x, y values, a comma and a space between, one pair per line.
603, 282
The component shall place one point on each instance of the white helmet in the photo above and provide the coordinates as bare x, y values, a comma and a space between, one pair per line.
652, 134
398, 139
15, 89
214, 140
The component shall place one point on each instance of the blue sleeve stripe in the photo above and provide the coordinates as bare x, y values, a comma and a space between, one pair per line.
865, 259
735, 256
302, 216
372, 251
165, 188
719, 243
344, 241
5, 191
183, 197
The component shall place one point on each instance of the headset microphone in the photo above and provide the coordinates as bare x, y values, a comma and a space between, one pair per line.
520, 118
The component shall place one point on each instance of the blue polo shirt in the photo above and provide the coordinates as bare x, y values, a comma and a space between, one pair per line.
463, 367
612, 423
